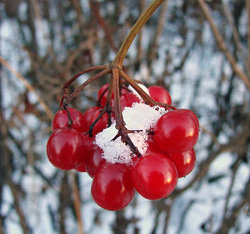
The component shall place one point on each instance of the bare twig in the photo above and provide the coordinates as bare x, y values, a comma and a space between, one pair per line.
222, 46
19, 210
233, 144
139, 39
101, 21
28, 86
79, 13
158, 31
230, 219
233, 176
77, 203
248, 32
235, 35
87, 82
212, 136
168, 215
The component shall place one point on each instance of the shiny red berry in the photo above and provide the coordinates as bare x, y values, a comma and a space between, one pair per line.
91, 115
160, 94
112, 188
184, 162
128, 99
61, 119
103, 94
65, 148
81, 167
94, 160
154, 176
176, 131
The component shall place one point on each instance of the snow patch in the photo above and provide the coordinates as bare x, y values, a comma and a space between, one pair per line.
140, 117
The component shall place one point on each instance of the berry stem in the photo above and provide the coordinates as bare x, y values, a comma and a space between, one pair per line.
87, 82
137, 88
69, 117
76, 76
115, 83
134, 31
142, 93
120, 124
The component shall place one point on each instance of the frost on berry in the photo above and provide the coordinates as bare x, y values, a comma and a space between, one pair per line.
141, 118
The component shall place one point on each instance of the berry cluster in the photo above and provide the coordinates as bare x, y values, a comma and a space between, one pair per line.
168, 154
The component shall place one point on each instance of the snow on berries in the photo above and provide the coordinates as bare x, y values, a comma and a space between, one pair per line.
139, 117
147, 150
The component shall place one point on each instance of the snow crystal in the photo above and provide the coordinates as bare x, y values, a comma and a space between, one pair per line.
139, 117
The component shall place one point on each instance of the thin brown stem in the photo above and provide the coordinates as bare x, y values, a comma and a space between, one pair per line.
120, 124
87, 82
118, 110
137, 88
148, 100
89, 69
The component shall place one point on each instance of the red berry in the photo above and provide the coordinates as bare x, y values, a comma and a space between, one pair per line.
112, 188
61, 119
94, 160
184, 162
160, 94
91, 115
152, 147
88, 143
154, 176
65, 148
103, 94
176, 131
128, 99
187, 111
81, 167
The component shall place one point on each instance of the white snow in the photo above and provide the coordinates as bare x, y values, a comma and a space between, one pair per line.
140, 117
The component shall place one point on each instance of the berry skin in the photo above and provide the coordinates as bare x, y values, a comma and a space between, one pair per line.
81, 167
184, 162
160, 94
193, 115
61, 119
94, 160
154, 176
128, 99
65, 148
152, 147
103, 94
112, 188
176, 131
90, 116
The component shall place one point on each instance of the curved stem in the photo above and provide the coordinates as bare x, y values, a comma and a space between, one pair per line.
133, 32
148, 100
138, 89
118, 110
76, 76
87, 82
